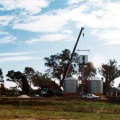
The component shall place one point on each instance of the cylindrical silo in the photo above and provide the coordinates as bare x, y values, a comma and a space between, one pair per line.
95, 85
70, 85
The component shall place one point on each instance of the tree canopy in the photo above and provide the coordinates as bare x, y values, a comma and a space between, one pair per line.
43, 81
29, 72
57, 64
90, 70
110, 72
30, 76
15, 77
1, 75
20, 79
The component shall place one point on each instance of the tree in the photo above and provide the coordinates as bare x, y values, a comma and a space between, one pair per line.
1, 75
1, 82
25, 85
29, 72
89, 71
57, 65
43, 81
110, 72
15, 77
18, 78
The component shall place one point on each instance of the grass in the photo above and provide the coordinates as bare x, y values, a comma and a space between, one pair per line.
45, 109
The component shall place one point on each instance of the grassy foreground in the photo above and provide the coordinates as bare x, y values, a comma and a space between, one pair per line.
51, 109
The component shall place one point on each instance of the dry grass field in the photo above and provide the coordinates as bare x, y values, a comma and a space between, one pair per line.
58, 109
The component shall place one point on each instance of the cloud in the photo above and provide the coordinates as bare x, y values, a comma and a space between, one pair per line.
17, 58
15, 53
5, 20
4, 33
28, 6
57, 37
32, 41
110, 36
7, 39
66, 36
53, 21
101, 16
71, 2
42, 23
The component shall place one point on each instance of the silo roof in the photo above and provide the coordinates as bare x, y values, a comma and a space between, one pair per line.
70, 78
115, 89
95, 78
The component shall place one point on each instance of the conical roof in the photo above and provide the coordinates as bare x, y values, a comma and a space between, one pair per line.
70, 78
94, 78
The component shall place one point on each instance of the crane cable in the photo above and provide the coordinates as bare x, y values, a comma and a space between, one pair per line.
85, 43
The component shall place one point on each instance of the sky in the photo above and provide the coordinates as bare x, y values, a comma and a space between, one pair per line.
33, 29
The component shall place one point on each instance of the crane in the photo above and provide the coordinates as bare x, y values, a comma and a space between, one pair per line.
69, 63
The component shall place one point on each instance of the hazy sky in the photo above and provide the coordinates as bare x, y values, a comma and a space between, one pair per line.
33, 29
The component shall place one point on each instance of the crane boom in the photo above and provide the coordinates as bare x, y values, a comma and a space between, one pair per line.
69, 63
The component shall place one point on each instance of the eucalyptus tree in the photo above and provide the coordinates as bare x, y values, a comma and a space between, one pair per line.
89, 71
43, 81
57, 65
20, 79
1, 75
110, 72
1, 82
29, 73
15, 77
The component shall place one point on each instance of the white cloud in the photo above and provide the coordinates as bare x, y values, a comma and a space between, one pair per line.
103, 21
57, 37
53, 21
52, 37
32, 41
17, 58
43, 23
106, 16
102, 16
70, 2
3, 33
110, 36
15, 53
67, 31
5, 20
96, 3
7, 39
29, 6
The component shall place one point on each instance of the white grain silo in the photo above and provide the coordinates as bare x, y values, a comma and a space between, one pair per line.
70, 85
95, 85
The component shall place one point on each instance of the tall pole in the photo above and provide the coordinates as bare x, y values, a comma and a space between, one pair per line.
69, 63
